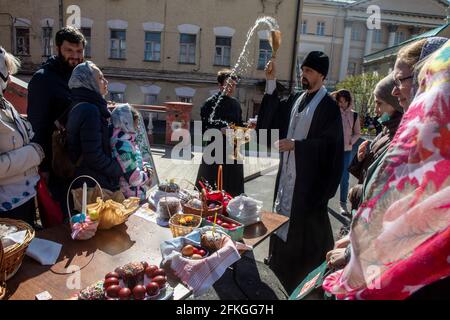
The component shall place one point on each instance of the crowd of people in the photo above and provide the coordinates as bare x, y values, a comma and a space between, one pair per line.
66, 95
398, 243
400, 208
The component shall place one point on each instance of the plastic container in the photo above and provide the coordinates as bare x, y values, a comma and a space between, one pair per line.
236, 234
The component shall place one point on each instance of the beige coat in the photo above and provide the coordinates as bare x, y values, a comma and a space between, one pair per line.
19, 158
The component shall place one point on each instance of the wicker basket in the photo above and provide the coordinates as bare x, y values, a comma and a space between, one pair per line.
13, 255
2, 276
204, 211
179, 230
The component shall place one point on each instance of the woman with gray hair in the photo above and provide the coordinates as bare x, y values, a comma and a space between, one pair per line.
88, 134
19, 158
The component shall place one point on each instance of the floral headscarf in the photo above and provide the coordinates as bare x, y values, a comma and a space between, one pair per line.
400, 237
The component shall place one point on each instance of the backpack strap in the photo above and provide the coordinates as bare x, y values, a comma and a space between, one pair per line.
355, 117
61, 122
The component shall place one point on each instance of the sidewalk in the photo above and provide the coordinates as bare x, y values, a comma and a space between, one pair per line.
167, 167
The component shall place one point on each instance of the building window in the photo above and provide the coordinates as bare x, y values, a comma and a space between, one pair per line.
320, 29
152, 46
187, 48
117, 97
265, 53
47, 42
185, 99
118, 44
399, 37
87, 35
304, 29
351, 69
22, 41
223, 51
378, 36
356, 34
150, 99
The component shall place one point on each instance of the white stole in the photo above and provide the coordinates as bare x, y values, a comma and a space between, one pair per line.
299, 125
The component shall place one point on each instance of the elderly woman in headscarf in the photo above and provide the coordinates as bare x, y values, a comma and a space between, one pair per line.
405, 72
88, 134
390, 114
137, 174
19, 158
400, 236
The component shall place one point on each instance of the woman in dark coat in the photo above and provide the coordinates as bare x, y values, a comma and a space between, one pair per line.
228, 111
88, 133
390, 114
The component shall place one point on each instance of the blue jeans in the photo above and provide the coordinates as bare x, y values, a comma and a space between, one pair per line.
345, 176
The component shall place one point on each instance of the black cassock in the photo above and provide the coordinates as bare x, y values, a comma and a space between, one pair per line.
228, 110
318, 165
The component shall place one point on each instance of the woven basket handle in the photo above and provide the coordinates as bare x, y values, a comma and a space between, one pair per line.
165, 192
2, 276
70, 188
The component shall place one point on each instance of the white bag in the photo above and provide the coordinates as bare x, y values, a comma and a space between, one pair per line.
245, 210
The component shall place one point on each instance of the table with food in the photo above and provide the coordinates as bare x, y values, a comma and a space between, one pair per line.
176, 244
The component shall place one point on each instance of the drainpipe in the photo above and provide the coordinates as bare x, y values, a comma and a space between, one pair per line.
333, 36
61, 14
295, 49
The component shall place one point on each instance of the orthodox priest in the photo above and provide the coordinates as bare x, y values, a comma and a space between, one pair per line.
311, 147
218, 112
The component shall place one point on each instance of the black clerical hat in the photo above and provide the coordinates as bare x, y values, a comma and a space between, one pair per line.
318, 61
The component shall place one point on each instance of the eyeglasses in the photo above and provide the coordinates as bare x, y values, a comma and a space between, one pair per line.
398, 82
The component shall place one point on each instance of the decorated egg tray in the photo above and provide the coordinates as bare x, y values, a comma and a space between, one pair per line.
231, 227
136, 281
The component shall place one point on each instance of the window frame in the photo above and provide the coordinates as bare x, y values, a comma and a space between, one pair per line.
26, 44
146, 96
224, 60
378, 36
304, 27
87, 47
47, 41
152, 51
112, 94
320, 27
264, 50
121, 52
185, 99
187, 57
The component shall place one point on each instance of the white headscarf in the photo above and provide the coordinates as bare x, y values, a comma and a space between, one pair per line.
83, 76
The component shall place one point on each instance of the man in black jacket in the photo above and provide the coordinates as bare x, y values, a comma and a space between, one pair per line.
49, 98
311, 164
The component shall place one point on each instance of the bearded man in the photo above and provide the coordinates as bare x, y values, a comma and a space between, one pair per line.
49, 97
311, 162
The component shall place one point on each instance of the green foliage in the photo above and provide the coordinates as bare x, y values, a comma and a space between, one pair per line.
361, 88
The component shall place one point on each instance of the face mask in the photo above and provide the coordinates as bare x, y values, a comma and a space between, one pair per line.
384, 117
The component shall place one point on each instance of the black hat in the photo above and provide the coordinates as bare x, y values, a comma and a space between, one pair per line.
318, 61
